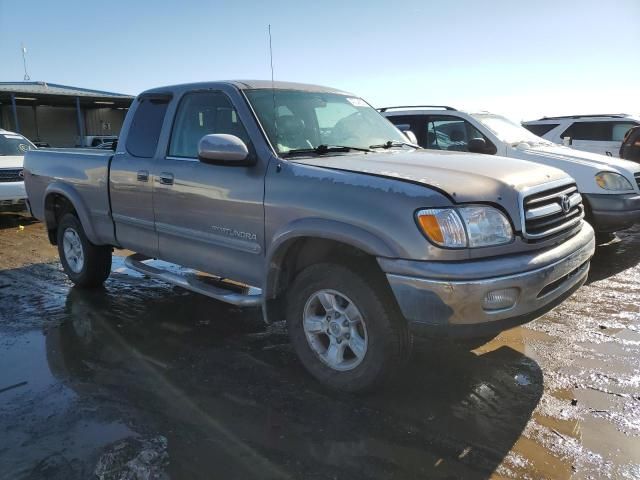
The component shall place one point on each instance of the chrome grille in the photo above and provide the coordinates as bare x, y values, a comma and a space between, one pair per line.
637, 177
550, 210
11, 175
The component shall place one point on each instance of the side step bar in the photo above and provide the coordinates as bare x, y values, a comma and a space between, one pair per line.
247, 299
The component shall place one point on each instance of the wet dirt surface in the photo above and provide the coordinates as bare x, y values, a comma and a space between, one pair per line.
144, 380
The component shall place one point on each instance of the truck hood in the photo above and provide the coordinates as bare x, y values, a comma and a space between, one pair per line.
466, 177
11, 161
594, 160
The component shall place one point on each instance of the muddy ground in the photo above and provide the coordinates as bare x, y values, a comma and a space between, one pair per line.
144, 380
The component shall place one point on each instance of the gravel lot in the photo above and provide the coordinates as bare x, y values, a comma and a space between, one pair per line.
144, 380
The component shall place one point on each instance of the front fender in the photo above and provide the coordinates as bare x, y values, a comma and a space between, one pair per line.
72, 195
320, 228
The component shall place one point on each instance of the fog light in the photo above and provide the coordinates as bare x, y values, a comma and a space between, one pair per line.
500, 299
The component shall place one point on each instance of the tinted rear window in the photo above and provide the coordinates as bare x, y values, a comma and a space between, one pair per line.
144, 131
541, 129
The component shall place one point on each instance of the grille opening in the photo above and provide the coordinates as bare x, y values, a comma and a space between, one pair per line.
552, 211
11, 175
559, 282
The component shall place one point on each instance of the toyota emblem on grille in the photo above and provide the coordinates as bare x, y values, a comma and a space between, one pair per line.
21, 173
565, 203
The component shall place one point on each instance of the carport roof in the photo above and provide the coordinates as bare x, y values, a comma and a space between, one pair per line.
55, 94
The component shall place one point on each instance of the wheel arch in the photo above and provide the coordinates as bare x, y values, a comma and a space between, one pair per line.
316, 241
60, 198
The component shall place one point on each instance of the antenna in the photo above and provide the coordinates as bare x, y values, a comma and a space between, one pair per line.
24, 62
273, 90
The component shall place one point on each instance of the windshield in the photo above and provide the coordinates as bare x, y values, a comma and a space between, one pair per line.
508, 131
301, 120
14, 144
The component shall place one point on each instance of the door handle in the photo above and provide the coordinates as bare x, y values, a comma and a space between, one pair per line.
143, 176
166, 178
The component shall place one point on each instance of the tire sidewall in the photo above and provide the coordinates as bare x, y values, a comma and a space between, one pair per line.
71, 221
375, 315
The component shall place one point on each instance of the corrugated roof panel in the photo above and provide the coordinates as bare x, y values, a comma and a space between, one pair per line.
44, 88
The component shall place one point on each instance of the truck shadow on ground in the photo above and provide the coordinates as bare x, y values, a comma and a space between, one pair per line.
14, 220
234, 402
616, 256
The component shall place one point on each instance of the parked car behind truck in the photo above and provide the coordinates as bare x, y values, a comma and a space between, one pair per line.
610, 187
12, 149
320, 213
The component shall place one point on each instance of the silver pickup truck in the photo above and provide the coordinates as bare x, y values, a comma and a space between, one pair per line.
306, 202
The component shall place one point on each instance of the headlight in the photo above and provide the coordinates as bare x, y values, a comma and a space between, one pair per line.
476, 226
612, 181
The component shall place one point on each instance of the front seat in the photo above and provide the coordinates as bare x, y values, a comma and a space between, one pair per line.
291, 133
457, 138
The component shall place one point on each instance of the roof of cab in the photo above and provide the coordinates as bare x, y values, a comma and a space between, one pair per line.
249, 85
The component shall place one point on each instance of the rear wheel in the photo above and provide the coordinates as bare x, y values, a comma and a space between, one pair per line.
345, 328
87, 265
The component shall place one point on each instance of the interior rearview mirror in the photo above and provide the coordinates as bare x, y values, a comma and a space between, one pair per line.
477, 145
222, 148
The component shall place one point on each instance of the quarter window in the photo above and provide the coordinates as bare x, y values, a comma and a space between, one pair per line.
620, 130
541, 128
200, 114
144, 131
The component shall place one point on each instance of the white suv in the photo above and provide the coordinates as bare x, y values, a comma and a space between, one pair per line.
12, 149
591, 133
610, 187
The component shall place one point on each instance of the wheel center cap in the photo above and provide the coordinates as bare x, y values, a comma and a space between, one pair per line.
335, 328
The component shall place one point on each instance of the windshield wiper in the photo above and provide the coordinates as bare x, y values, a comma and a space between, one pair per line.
322, 149
391, 144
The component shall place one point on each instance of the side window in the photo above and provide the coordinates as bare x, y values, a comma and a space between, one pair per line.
199, 114
144, 131
410, 122
541, 129
597, 131
620, 129
450, 133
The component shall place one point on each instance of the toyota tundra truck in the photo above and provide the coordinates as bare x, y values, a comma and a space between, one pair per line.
305, 202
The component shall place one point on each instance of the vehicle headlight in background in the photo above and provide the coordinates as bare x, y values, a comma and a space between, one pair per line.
473, 226
612, 181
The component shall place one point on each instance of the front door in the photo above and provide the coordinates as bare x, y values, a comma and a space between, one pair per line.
209, 217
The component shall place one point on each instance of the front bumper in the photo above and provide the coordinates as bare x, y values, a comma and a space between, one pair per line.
455, 307
612, 212
12, 196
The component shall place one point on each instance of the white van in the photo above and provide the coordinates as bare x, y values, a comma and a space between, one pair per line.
610, 187
591, 133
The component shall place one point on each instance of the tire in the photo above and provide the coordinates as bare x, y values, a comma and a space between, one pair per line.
87, 265
375, 319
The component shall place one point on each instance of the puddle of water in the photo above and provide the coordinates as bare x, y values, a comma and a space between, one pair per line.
45, 432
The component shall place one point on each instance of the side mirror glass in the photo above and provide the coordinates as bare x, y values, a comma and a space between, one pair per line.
222, 148
411, 136
477, 145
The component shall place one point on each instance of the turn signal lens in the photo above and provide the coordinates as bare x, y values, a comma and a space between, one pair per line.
443, 226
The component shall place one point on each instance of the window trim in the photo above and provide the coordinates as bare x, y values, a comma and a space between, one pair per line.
156, 97
167, 156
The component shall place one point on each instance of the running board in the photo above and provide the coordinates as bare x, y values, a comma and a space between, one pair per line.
245, 298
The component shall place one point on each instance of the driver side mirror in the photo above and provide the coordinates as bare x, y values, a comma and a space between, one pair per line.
222, 148
477, 145
566, 141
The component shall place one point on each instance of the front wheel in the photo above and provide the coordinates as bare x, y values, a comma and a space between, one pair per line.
345, 327
87, 265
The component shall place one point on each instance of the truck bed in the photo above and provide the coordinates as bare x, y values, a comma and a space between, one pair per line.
80, 174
